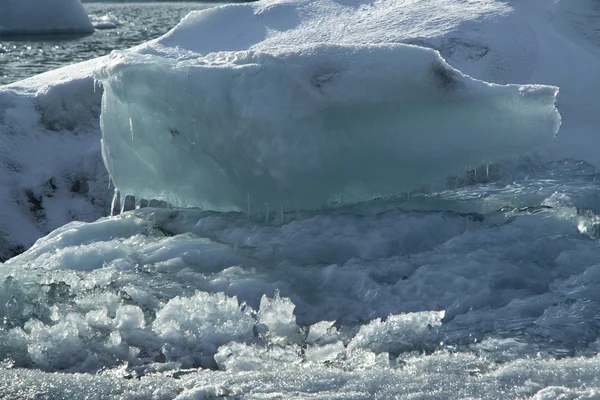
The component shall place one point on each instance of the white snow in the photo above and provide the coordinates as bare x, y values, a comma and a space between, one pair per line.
51, 170
18, 17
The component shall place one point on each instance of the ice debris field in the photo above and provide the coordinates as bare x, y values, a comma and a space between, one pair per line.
348, 200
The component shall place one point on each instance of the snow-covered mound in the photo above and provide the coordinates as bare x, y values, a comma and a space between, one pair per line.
51, 170
302, 125
18, 17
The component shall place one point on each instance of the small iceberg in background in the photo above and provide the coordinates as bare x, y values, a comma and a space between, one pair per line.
107, 21
36, 17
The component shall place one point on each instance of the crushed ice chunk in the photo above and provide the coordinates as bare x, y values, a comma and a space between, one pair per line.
277, 315
398, 333
193, 328
321, 332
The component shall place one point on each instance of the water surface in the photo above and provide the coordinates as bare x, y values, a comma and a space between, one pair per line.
138, 22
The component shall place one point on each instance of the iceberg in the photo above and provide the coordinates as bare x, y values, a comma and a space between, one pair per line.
303, 126
502, 42
19, 17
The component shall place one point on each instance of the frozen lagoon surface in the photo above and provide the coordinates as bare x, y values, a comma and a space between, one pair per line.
483, 285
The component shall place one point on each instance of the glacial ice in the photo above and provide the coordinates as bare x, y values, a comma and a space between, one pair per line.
538, 41
20, 17
307, 127
494, 297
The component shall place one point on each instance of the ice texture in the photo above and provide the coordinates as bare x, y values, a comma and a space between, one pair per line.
307, 127
388, 301
19, 17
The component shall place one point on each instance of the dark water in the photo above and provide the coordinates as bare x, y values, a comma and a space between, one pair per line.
23, 57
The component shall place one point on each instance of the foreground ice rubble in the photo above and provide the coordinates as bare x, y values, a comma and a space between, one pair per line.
19, 17
386, 303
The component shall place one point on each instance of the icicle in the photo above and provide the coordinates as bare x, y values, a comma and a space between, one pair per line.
487, 171
267, 216
115, 207
122, 197
131, 126
128, 203
130, 122
248, 199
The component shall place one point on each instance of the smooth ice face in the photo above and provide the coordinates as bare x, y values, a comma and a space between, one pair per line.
308, 126
18, 17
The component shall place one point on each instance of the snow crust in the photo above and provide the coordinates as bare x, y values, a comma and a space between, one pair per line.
19, 17
291, 124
